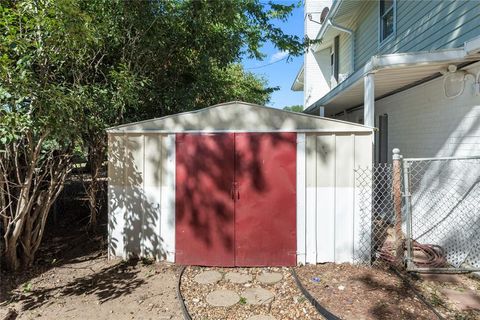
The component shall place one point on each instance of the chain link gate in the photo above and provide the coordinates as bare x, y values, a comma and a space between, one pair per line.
438, 213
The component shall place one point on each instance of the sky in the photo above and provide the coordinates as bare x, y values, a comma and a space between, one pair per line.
276, 69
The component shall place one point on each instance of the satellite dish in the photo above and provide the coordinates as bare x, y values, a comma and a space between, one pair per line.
324, 14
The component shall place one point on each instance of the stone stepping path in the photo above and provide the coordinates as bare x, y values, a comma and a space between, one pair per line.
222, 298
237, 277
258, 296
270, 277
244, 293
208, 277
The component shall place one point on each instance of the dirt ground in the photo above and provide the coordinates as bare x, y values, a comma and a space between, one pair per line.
358, 292
81, 283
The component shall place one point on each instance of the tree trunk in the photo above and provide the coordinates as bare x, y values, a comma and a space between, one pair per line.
11, 258
29, 195
97, 153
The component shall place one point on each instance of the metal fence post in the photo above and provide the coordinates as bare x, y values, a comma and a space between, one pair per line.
408, 212
397, 205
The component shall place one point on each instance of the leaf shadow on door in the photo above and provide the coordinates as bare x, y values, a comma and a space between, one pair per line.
205, 176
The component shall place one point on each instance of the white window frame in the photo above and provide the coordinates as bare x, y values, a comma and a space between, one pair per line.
381, 41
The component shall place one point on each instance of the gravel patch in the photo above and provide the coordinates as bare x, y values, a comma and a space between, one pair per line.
288, 302
261, 317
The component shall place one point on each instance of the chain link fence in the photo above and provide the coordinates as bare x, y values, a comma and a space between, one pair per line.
443, 209
377, 217
438, 213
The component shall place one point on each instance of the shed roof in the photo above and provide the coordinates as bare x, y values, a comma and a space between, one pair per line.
239, 117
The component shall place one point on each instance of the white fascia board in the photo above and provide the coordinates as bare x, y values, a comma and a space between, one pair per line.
298, 80
391, 61
408, 59
472, 46
361, 129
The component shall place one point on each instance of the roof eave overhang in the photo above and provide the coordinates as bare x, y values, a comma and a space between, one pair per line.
297, 84
333, 11
472, 46
392, 61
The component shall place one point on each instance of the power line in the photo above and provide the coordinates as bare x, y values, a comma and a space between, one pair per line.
266, 65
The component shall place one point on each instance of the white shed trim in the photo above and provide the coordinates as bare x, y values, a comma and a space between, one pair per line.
167, 223
301, 254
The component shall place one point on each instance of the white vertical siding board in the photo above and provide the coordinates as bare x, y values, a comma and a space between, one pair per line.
362, 231
301, 254
325, 198
152, 188
311, 199
134, 194
344, 198
116, 208
167, 223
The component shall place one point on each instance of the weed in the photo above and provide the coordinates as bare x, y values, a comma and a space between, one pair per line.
242, 300
436, 300
27, 287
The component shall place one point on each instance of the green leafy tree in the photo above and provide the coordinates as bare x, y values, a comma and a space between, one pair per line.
295, 108
71, 68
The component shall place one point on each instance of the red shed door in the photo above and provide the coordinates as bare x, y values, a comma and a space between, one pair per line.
265, 199
204, 205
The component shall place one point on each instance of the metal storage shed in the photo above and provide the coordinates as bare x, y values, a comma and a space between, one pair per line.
236, 184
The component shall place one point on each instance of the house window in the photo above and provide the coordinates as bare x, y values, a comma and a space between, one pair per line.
387, 18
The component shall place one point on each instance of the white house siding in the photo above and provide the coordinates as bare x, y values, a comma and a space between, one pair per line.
422, 122
141, 207
316, 64
420, 26
328, 215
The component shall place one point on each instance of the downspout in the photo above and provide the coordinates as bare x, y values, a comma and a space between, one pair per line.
352, 35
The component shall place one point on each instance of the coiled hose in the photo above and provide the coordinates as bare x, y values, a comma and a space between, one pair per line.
434, 256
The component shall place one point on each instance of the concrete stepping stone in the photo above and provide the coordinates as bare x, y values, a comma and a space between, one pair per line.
270, 277
258, 296
262, 317
208, 277
237, 277
222, 298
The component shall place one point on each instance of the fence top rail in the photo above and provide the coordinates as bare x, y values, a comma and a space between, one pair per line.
441, 158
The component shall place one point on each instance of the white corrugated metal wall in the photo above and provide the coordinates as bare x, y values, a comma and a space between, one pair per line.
327, 205
141, 194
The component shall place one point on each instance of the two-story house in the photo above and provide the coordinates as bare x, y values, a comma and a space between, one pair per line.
409, 68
